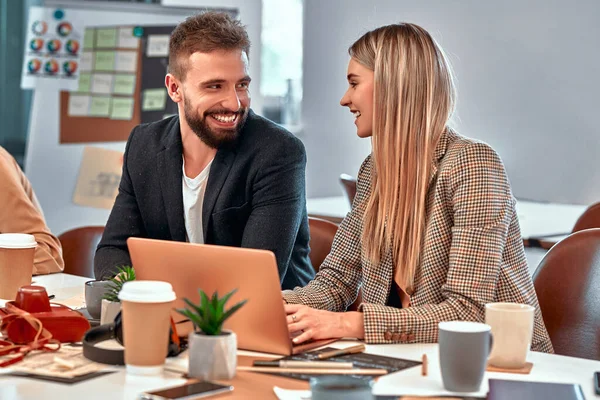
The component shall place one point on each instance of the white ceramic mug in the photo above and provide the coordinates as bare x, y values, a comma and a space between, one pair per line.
512, 328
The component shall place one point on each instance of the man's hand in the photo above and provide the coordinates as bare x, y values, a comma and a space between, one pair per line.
305, 323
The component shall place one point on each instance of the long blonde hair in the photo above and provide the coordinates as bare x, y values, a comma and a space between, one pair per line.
413, 99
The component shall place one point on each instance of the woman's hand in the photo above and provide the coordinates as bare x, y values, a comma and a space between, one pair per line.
305, 323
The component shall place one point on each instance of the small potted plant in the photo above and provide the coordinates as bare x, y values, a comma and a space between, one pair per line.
111, 305
212, 350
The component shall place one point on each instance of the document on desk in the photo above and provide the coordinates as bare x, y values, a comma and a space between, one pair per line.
360, 360
66, 363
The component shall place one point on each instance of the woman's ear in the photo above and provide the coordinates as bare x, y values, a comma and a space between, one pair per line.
173, 88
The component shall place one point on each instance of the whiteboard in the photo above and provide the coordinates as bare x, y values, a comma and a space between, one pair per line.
52, 168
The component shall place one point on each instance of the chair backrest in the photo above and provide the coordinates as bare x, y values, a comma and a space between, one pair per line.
322, 233
79, 246
349, 184
567, 283
589, 219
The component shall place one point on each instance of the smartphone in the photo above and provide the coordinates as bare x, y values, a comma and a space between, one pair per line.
196, 390
597, 382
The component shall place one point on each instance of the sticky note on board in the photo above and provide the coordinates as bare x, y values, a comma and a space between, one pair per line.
102, 83
88, 38
126, 39
158, 46
85, 82
106, 38
126, 61
86, 63
154, 99
78, 105
121, 108
124, 84
104, 61
100, 106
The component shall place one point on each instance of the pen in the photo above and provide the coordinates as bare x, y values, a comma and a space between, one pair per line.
303, 364
342, 352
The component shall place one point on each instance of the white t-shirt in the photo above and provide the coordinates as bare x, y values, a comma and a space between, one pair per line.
193, 197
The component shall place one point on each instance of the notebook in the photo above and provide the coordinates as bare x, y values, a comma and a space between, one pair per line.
522, 390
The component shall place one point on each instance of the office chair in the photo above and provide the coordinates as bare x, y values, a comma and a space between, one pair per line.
322, 233
349, 185
567, 282
79, 247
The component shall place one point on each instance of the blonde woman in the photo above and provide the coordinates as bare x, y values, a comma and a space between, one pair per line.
433, 234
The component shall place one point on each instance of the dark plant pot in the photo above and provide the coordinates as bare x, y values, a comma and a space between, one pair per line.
212, 357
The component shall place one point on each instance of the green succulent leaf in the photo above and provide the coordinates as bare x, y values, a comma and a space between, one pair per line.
209, 314
125, 273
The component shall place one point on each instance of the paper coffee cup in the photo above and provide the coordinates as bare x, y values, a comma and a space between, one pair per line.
17, 251
146, 311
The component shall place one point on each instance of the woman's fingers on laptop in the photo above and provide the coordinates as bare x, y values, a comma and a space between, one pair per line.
316, 324
293, 308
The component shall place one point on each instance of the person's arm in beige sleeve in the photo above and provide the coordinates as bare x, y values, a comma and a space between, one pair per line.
20, 213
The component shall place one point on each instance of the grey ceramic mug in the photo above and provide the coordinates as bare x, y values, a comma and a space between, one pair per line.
464, 350
341, 388
94, 291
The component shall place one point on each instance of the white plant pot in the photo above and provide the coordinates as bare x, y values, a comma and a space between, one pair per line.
109, 311
212, 357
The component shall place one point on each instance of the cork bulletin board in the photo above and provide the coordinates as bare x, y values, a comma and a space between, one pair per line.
90, 114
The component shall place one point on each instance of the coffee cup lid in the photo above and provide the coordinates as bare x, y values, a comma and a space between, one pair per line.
147, 292
17, 241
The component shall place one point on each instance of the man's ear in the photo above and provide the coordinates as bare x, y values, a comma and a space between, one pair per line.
174, 88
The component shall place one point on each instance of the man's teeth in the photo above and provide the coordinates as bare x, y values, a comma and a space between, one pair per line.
225, 118
356, 114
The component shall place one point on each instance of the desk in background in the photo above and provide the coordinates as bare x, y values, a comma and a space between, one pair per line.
548, 221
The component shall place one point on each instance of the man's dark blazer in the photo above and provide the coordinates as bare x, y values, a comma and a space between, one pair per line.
255, 196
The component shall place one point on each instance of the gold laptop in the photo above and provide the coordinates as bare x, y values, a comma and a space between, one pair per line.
260, 325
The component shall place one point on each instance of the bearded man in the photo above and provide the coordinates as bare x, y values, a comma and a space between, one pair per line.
216, 173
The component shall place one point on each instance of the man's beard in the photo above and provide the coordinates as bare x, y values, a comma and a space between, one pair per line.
219, 137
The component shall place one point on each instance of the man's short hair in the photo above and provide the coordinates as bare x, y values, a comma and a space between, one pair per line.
205, 32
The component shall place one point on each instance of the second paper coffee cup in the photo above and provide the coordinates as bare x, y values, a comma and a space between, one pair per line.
146, 311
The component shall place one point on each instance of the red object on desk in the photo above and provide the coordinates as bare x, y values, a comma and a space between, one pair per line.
64, 324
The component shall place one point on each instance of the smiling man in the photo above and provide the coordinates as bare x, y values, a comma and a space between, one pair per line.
216, 173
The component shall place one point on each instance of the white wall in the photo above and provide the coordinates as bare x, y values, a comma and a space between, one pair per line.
528, 85
51, 167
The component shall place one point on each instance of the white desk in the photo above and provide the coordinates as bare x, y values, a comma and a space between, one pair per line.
536, 219
119, 385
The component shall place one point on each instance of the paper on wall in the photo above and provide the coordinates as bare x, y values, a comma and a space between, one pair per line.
127, 40
104, 61
99, 177
102, 83
100, 106
126, 61
124, 84
121, 108
85, 82
106, 38
158, 46
79, 105
52, 49
87, 61
154, 99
